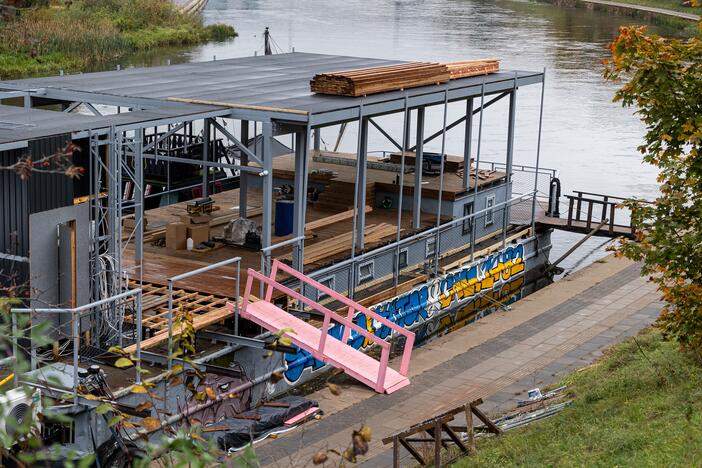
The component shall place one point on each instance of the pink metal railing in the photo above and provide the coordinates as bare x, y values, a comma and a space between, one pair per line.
329, 315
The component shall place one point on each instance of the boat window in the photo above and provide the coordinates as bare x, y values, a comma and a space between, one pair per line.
431, 247
365, 272
468, 222
490, 213
402, 258
328, 282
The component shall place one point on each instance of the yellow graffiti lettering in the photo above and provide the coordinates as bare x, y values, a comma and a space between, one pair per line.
369, 328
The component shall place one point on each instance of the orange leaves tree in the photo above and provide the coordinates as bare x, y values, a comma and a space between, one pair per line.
663, 79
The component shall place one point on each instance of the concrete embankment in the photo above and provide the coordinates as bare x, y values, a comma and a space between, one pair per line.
628, 9
190, 6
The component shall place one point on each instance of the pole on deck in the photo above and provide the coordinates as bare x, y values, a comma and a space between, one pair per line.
243, 176
510, 158
418, 162
468, 141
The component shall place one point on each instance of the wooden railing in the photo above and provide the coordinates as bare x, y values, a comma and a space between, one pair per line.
594, 209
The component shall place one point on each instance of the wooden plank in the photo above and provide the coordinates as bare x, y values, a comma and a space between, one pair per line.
417, 456
487, 421
312, 225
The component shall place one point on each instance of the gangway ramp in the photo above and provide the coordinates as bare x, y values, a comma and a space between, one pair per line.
318, 342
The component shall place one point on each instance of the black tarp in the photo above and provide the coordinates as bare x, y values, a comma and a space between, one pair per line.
242, 431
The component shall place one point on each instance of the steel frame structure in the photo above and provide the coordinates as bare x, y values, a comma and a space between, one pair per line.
118, 154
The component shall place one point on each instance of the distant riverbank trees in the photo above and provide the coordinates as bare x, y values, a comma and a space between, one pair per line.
663, 78
84, 35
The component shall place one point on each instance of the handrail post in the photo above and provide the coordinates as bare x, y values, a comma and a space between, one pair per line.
604, 208
347, 329
577, 211
611, 218
382, 369
324, 333
589, 214
571, 201
76, 332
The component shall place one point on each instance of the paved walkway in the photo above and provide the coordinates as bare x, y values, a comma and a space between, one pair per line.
547, 334
646, 9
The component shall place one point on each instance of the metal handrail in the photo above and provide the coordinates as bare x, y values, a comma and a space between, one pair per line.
76, 315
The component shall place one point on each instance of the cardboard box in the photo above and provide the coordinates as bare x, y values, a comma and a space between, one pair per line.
130, 222
199, 233
176, 236
195, 219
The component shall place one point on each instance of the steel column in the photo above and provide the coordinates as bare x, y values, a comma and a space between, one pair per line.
362, 158
243, 176
267, 134
510, 157
405, 142
538, 155
437, 245
317, 139
418, 161
468, 141
205, 157
474, 219
301, 141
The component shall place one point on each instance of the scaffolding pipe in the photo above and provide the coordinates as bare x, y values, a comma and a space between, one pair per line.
441, 184
538, 153
405, 140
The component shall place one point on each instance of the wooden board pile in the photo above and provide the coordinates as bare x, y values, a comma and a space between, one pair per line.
364, 81
466, 68
373, 80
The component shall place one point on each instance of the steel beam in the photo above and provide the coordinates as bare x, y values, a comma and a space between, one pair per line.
386, 135
418, 161
239, 144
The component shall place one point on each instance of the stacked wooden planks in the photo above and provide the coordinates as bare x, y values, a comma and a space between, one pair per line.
466, 68
364, 81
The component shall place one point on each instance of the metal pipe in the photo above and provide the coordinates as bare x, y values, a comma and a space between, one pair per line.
467, 143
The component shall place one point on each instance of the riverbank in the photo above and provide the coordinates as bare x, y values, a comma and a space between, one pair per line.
88, 35
545, 336
640, 405
664, 12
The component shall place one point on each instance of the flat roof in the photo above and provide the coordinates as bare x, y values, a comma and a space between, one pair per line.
263, 87
19, 125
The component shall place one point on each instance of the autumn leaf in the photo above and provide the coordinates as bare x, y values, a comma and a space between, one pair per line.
103, 408
276, 377
334, 389
150, 423
210, 393
137, 388
123, 363
319, 458
144, 406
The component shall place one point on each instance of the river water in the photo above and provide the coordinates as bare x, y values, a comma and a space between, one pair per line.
588, 138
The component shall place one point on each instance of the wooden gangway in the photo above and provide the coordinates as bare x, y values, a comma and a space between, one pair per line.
318, 342
588, 212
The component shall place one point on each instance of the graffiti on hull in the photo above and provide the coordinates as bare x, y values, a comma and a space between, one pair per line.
460, 296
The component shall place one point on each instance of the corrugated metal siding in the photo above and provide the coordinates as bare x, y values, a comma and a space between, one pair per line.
20, 198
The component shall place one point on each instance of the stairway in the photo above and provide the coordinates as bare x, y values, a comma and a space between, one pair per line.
338, 353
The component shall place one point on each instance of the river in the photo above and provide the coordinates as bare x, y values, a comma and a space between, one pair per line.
588, 138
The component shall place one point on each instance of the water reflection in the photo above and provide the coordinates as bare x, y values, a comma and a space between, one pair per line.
588, 138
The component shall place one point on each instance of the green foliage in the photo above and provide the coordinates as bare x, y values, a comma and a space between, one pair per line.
636, 407
663, 78
91, 33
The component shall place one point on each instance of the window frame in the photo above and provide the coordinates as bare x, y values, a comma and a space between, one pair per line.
468, 223
489, 210
322, 295
430, 241
364, 278
399, 263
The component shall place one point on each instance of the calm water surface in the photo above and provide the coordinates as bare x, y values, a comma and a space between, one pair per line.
589, 139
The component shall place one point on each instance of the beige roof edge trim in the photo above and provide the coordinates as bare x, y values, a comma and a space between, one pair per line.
237, 106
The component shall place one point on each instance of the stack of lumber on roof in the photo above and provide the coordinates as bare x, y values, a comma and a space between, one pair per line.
363, 81
466, 68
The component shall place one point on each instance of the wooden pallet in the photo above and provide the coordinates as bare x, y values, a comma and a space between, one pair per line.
364, 81
207, 309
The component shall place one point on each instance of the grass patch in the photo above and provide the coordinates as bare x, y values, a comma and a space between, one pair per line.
631, 408
85, 35
675, 5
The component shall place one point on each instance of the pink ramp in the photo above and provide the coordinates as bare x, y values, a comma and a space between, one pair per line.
376, 374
